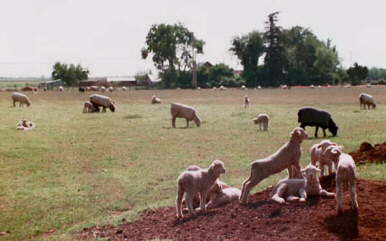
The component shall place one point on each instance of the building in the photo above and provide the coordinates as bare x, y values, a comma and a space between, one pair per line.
122, 81
204, 64
51, 84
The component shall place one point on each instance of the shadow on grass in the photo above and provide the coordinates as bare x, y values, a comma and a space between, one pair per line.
344, 225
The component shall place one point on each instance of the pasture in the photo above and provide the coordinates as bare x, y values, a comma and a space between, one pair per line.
78, 170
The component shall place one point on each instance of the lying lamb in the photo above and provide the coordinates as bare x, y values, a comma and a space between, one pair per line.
25, 125
286, 157
316, 153
198, 181
184, 111
366, 99
88, 107
155, 100
221, 195
345, 173
101, 100
18, 97
262, 119
291, 189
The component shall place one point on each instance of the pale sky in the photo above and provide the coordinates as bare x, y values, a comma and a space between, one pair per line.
106, 36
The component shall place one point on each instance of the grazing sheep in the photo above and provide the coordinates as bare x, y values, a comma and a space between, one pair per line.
124, 88
197, 181
262, 119
101, 100
366, 99
94, 88
198, 88
27, 88
328, 86
18, 97
291, 189
259, 87
184, 111
61, 88
309, 116
246, 101
316, 154
345, 174
88, 88
25, 125
286, 157
45, 89
284, 87
243, 87
111, 89
368, 86
155, 100
312, 87
214, 88
103, 89
88, 107
81, 89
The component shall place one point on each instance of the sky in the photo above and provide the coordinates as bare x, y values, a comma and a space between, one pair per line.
106, 37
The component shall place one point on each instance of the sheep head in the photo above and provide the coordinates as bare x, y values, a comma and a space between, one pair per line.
310, 173
197, 120
332, 153
111, 106
217, 168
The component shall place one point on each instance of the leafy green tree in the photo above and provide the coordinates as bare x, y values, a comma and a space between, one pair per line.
376, 73
171, 47
69, 74
219, 73
248, 49
357, 73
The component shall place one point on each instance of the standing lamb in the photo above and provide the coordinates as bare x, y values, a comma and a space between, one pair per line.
155, 100
286, 157
101, 100
88, 107
197, 181
184, 111
61, 88
246, 101
111, 89
309, 116
345, 174
366, 99
291, 189
262, 119
18, 97
316, 153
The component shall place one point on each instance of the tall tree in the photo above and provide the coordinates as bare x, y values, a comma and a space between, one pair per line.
357, 73
69, 74
171, 46
248, 49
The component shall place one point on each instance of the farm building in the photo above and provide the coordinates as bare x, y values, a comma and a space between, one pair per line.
122, 81
152, 79
95, 82
51, 84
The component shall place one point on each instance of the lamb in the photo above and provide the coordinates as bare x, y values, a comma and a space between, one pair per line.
60, 88
316, 153
198, 181
124, 88
88, 107
111, 89
18, 97
101, 100
184, 111
291, 189
103, 89
286, 157
309, 116
246, 101
366, 99
155, 100
25, 125
243, 87
345, 173
221, 196
262, 119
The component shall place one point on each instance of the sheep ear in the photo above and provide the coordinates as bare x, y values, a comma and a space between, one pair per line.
298, 132
318, 170
320, 146
333, 144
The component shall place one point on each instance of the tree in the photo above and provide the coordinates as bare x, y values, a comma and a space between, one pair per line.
357, 73
171, 46
69, 74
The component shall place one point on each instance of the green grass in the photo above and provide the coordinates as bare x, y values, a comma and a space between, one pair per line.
76, 170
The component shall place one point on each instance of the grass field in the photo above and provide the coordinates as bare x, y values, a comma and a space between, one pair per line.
76, 170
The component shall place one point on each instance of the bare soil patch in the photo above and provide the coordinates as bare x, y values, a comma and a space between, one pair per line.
263, 219
368, 153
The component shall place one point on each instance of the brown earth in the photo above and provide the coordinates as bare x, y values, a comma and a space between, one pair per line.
263, 219
368, 153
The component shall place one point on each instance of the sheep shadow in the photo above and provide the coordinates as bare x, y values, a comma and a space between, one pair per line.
344, 225
256, 204
198, 214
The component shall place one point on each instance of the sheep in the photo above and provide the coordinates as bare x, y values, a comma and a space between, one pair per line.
25, 125
101, 100
184, 111
309, 116
214, 88
198, 181
262, 119
328, 86
366, 99
291, 189
61, 88
18, 97
94, 88
45, 89
221, 196
316, 154
286, 157
312, 87
259, 87
111, 89
243, 87
155, 100
88, 107
284, 87
368, 86
246, 101
198, 88
124, 88
103, 89
345, 174
27, 88
81, 89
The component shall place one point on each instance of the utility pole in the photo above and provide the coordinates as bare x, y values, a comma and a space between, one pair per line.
194, 71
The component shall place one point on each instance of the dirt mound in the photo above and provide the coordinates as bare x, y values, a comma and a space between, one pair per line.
262, 219
368, 153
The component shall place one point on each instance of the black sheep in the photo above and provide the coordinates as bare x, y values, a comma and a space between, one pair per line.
309, 116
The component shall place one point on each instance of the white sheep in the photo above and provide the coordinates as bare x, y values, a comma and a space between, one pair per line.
88, 107
124, 88
184, 111
366, 99
111, 89
299, 189
262, 120
21, 98
197, 181
316, 154
221, 196
286, 157
198, 88
101, 100
312, 87
61, 88
259, 87
25, 125
368, 86
345, 174
155, 100
243, 87
328, 86
103, 89
246, 101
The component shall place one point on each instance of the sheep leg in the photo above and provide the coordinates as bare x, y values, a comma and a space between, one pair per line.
353, 195
329, 168
85, 110
277, 197
324, 132
174, 122
104, 109
303, 195
316, 131
180, 195
321, 169
292, 198
203, 201
303, 126
339, 195
324, 193
187, 123
188, 201
247, 186
14, 104
266, 126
